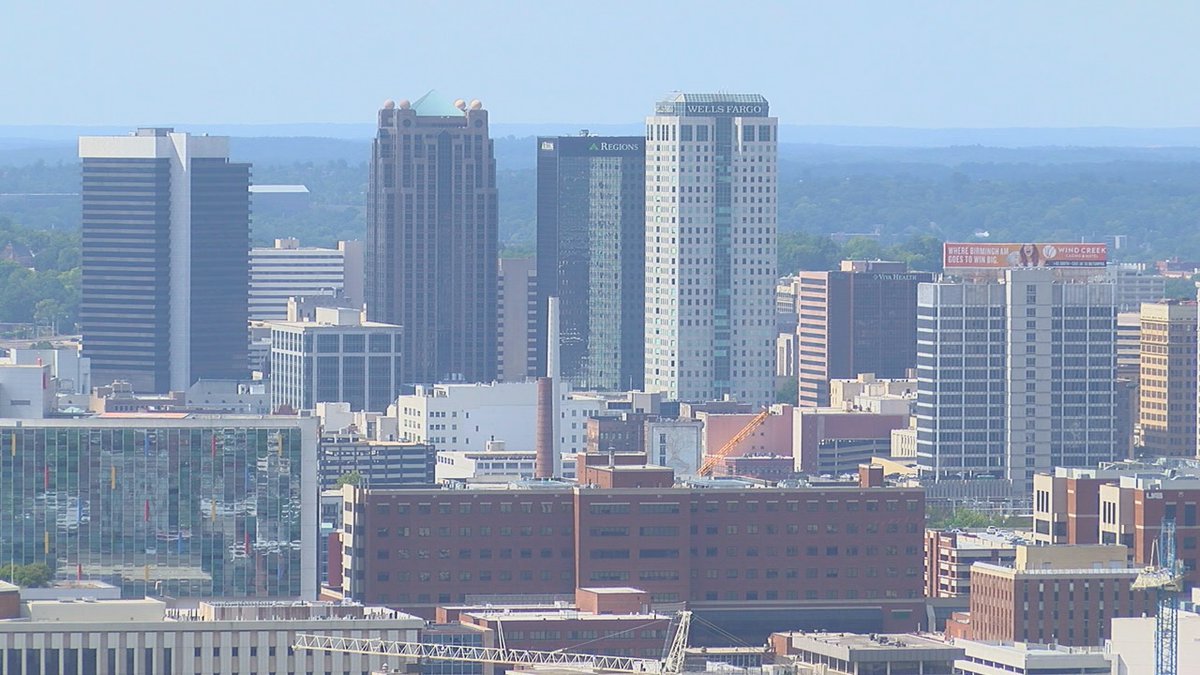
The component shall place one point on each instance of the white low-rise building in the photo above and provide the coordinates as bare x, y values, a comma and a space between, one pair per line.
1134, 643
146, 637
496, 464
71, 371
25, 391
1024, 658
465, 417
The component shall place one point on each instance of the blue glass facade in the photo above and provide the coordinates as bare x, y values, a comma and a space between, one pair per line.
176, 507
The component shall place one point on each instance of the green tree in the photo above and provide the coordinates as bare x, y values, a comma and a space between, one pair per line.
34, 575
1181, 289
354, 478
788, 391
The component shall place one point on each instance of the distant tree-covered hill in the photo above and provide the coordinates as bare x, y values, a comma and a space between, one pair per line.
894, 197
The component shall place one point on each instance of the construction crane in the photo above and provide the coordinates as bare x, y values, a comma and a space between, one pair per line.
1166, 579
670, 664
710, 461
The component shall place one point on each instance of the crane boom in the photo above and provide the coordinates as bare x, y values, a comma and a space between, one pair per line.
710, 461
1166, 580
671, 664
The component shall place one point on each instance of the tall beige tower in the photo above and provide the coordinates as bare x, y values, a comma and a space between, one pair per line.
1167, 393
711, 212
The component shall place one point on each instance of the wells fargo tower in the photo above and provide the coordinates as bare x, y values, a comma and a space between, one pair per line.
432, 237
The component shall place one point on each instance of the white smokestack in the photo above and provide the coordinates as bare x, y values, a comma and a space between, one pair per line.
553, 372
552, 365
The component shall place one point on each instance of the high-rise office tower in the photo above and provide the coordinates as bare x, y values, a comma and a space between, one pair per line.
859, 319
432, 237
1167, 391
710, 248
166, 235
591, 224
1015, 376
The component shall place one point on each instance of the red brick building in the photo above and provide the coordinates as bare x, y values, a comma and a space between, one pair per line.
1066, 505
845, 558
1132, 512
1054, 594
950, 554
1121, 506
834, 441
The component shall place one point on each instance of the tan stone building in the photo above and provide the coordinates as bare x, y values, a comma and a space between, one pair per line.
1168, 378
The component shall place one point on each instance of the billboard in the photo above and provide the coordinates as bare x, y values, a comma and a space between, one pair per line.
991, 256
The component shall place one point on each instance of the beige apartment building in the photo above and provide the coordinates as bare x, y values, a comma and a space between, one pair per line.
1167, 409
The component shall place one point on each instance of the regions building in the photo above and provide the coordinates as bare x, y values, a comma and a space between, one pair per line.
179, 505
431, 248
745, 555
166, 235
591, 247
711, 217
1167, 381
1015, 375
147, 636
287, 270
859, 319
339, 357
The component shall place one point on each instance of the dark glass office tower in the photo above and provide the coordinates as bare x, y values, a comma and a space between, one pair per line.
432, 237
166, 236
220, 287
859, 319
591, 247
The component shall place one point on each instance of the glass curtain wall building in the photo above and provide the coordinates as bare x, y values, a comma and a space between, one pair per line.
590, 254
182, 507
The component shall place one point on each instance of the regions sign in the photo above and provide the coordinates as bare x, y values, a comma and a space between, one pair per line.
586, 146
976, 256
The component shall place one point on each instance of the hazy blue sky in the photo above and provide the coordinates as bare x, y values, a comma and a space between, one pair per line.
890, 62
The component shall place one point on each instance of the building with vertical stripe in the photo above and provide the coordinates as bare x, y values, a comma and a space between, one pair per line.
711, 212
166, 235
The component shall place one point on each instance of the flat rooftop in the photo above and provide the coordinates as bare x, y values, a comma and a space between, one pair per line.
495, 614
858, 641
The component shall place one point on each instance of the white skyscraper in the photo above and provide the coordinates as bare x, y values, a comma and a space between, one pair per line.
710, 247
1015, 376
